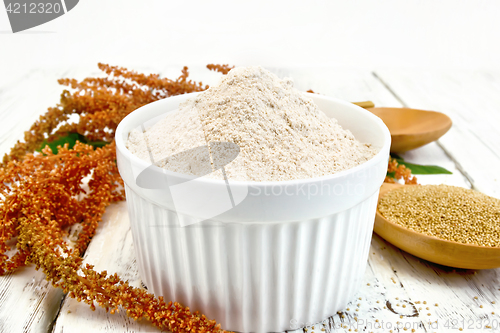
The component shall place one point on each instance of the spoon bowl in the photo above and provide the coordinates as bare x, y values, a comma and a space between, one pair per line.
431, 248
412, 128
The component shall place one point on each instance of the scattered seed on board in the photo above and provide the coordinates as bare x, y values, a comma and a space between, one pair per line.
446, 212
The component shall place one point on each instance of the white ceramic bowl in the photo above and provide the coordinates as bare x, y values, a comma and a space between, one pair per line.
289, 253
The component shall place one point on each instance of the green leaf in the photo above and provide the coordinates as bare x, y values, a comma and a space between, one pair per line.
391, 174
70, 139
418, 169
96, 144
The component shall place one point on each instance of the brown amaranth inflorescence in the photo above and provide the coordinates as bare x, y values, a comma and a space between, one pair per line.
100, 103
45, 191
43, 194
224, 69
400, 172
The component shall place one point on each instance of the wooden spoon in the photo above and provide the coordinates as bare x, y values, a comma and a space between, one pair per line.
411, 128
431, 248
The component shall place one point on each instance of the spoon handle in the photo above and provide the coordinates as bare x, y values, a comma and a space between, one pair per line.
366, 104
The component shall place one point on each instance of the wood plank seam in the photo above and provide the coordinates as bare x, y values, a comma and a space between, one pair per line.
388, 87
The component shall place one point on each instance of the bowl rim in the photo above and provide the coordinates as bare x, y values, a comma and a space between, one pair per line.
381, 154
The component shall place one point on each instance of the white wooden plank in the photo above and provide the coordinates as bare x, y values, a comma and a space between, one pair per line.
112, 250
28, 303
453, 290
7, 82
347, 84
472, 100
22, 103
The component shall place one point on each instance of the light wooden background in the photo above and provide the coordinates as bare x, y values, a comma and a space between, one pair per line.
396, 284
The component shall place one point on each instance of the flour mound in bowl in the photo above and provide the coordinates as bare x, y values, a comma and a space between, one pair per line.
281, 133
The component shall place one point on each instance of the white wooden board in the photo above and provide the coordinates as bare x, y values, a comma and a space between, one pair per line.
392, 277
28, 303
